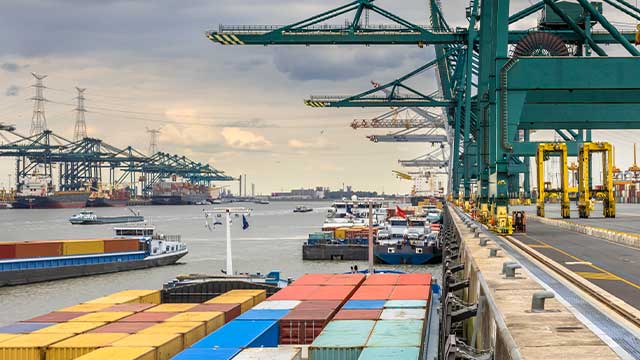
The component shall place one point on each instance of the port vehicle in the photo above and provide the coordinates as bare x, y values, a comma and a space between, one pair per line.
302, 209
132, 247
87, 217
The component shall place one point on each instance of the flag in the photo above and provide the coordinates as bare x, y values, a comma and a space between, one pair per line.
399, 212
245, 223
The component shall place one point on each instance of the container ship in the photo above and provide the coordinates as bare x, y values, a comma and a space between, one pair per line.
36, 192
115, 198
179, 193
132, 247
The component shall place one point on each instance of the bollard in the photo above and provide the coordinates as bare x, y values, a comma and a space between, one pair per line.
484, 241
510, 270
493, 252
476, 233
505, 264
538, 298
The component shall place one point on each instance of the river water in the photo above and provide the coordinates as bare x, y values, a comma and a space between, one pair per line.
273, 241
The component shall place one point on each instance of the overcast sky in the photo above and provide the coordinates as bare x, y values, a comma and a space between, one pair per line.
238, 108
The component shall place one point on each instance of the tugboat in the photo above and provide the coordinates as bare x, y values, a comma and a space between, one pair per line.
87, 217
133, 247
302, 209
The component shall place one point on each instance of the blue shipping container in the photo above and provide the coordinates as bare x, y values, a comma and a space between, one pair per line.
242, 334
263, 314
24, 328
364, 305
208, 354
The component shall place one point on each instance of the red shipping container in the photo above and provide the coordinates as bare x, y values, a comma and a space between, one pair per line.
341, 293
123, 327
410, 292
303, 326
148, 317
129, 307
381, 292
381, 279
121, 245
32, 249
312, 279
231, 311
415, 279
346, 279
8, 251
318, 305
295, 293
56, 317
358, 315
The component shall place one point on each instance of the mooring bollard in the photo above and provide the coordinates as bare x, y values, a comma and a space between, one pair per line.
504, 265
510, 270
538, 298
493, 252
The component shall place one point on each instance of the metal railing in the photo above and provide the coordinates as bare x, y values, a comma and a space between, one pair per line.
326, 27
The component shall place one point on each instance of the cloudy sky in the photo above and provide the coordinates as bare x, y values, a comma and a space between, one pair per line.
147, 64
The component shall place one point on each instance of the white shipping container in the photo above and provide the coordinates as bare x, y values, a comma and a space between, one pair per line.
403, 314
277, 305
279, 353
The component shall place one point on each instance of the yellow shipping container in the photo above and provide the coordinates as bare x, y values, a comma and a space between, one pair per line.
166, 345
121, 353
341, 233
172, 308
29, 346
212, 319
246, 302
145, 296
70, 328
81, 247
107, 316
4, 337
86, 308
116, 299
258, 295
79, 345
191, 331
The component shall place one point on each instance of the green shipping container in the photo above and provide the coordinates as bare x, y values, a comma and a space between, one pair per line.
341, 340
405, 304
396, 333
395, 353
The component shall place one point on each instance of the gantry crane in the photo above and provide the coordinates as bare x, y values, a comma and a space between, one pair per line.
490, 95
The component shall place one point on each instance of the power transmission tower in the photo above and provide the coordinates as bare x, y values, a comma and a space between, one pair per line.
80, 131
38, 120
154, 134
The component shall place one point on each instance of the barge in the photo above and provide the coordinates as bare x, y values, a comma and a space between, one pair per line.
87, 217
133, 247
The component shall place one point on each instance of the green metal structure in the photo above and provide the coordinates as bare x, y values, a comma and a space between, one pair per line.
496, 84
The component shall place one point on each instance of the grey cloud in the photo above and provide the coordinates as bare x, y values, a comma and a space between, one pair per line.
12, 90
10, 67
250, 123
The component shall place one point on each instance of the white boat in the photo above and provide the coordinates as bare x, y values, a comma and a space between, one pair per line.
302, 209
87, 217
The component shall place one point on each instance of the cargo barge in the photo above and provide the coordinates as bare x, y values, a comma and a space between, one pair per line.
318, 316
90, 218
133, 247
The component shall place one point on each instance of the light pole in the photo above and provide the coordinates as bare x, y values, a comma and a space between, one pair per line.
227, 212
371, 201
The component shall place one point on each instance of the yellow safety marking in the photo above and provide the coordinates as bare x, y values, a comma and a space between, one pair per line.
235, 38
220, 39
590, 265
229, 39
314, 103
538, 246
597, 275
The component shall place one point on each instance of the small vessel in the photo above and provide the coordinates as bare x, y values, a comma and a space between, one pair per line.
407, 241
132, 247
87, 217
302, 209
261, 201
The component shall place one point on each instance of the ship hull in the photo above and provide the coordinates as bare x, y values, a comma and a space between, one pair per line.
406, 254
102, 202
21, 277
177, 199
61, 201
108, 220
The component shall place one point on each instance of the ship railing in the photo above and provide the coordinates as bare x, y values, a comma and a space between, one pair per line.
177, 238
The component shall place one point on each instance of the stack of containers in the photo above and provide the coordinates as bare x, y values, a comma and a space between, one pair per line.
246, 298
389, 312
320, 295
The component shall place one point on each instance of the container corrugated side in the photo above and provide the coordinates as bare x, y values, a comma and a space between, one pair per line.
246, 302
33, 249
121, 245
29, 346
70, 328
395, 353
397, 333
191, 331
269, 353
241, 334
166, 345
85, 308
277, 305
121, 353
399, 304
212, 320
79, 345
107, 316
8, 251
341, 339
82, 247
171, 308
205, 353
404, 314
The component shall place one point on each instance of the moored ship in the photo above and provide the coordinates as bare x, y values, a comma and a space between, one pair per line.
36, 192
115, 198
179, 193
